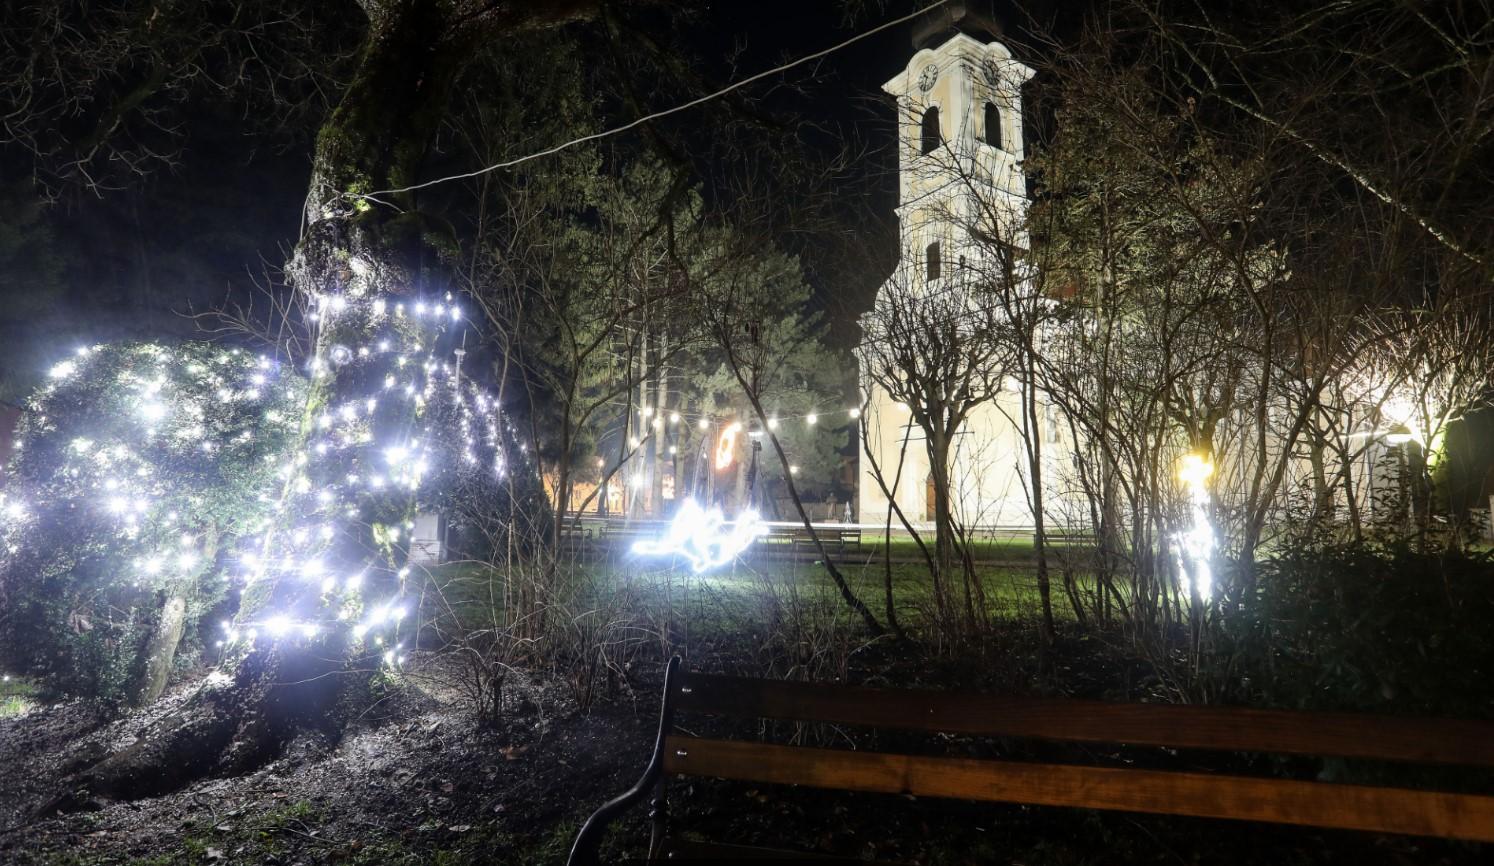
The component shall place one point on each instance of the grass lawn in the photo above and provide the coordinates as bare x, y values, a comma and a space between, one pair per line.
748, 593
17, 697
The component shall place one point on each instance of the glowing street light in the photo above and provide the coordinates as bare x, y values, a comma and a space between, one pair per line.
1194, 471
1196, 545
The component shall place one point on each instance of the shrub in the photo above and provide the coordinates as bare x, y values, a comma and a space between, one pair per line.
135, 468
1383, 628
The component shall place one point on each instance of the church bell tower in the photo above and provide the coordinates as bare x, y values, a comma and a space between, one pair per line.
960, 151
960, 137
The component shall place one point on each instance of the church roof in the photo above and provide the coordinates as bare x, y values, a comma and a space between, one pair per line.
957, 16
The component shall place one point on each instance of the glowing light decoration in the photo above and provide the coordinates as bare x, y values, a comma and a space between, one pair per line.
726, 445
120, 479
1195, 547
704, 537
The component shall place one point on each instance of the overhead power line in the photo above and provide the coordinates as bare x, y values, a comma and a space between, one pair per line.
510, 163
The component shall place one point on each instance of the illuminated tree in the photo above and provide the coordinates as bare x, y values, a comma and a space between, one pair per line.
383, 352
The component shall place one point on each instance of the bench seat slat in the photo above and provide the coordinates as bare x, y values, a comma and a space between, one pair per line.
1349, 807
1446, 741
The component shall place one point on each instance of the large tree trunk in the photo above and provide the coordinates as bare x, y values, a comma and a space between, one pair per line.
944, 534
160, 650
376, 139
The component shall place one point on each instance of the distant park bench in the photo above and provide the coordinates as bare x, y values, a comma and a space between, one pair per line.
623, 533
837, 539
1066, 536
1209, 795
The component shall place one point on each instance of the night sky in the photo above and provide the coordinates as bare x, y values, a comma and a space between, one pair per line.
134, 262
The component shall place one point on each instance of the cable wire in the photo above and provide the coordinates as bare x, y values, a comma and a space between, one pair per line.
648, 117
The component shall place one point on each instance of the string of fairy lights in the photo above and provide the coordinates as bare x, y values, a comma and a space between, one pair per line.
325, 494
350, 463
345, 467
728, 432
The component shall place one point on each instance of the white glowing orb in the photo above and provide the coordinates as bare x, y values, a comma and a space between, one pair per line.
704, 537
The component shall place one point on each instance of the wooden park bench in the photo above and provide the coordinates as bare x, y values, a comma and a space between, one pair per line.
620, 535
836, 539
1071, 537
1208, 795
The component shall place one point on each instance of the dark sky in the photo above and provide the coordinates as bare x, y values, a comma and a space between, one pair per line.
189, 236
840, 95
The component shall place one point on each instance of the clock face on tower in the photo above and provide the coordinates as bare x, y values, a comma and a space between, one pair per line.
927, 77
992, 72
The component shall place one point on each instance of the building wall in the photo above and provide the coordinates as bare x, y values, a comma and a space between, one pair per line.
939, 195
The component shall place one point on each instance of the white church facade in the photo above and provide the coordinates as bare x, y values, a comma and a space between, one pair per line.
960, 163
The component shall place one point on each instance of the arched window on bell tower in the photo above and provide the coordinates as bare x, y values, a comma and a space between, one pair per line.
931, 139
931, 262
993, 125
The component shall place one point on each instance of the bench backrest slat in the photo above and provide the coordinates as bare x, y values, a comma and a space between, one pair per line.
1349, 807
1444, 741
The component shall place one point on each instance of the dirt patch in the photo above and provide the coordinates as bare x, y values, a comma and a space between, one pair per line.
417, 780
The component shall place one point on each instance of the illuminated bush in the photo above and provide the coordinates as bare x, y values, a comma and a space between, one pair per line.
136, 467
